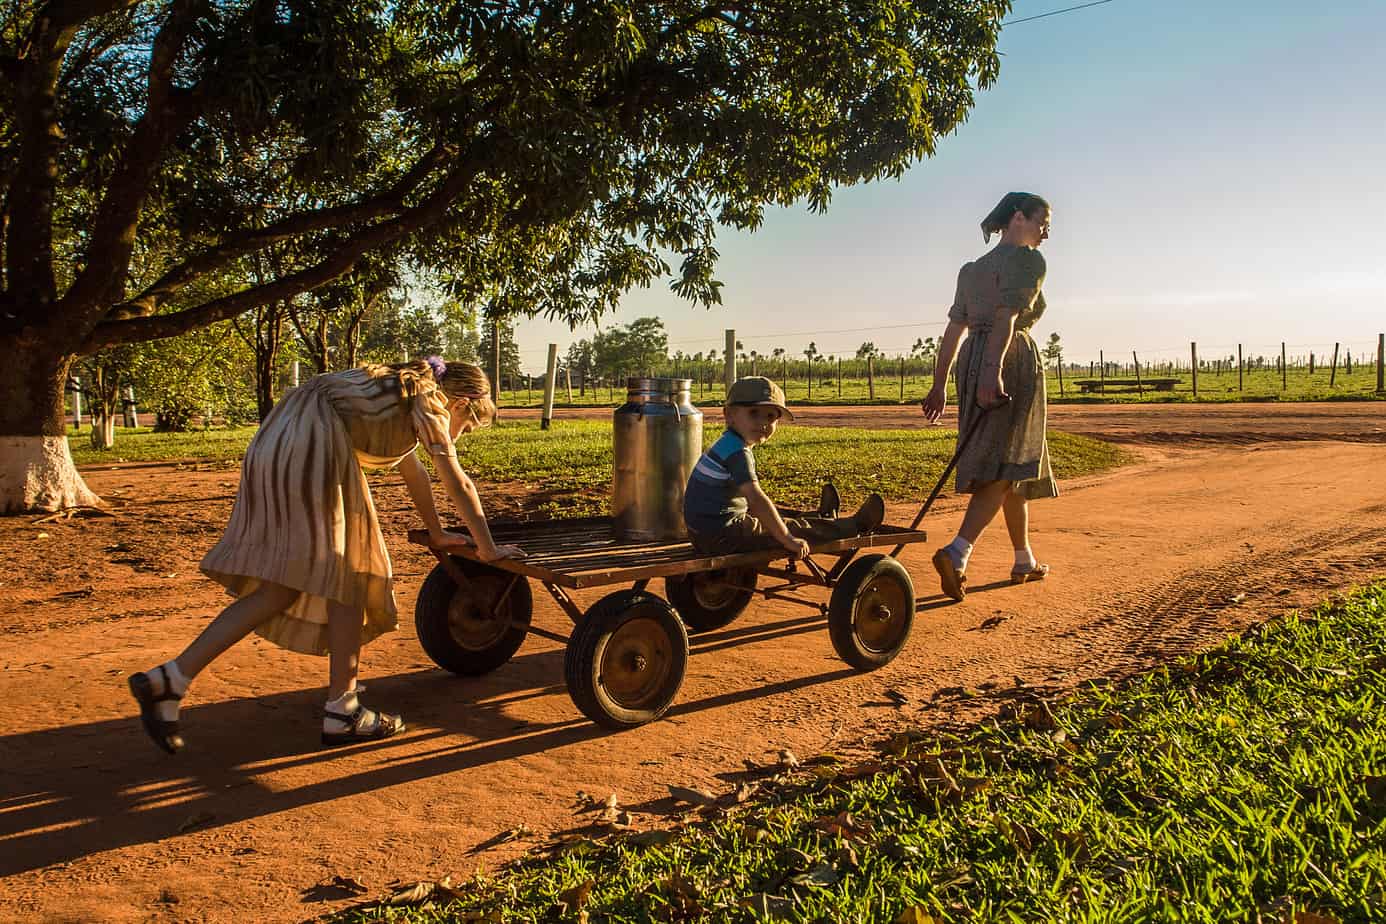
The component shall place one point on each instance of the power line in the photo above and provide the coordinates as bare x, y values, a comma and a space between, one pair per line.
1069, 9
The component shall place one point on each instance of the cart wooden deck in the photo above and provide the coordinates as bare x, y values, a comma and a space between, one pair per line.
586, 552
626, 657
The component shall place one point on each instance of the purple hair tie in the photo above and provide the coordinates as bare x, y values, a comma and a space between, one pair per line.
439, 367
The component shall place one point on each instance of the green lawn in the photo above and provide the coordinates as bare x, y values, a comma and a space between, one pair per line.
1246, 784
573, 459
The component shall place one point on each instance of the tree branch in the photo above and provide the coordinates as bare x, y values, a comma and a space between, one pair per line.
386, 203
102, 280
336, 264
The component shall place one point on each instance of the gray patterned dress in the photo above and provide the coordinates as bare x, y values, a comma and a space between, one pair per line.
1010, 446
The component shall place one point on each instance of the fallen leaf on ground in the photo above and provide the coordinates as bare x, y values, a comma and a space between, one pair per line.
916, 914
574, 898
348, 884
411, 894
692, 796
650, 838
195, 821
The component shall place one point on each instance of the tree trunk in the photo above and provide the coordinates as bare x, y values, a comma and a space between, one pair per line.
36, 470
103, 431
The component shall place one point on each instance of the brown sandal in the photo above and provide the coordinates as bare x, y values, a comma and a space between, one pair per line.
1036, 573
954, 581
165, 734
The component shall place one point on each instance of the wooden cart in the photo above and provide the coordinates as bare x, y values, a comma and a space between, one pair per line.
627, 654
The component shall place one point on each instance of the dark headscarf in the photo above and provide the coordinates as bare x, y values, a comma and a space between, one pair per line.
999, 217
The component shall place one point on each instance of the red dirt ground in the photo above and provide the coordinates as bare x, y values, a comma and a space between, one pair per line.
1285, 504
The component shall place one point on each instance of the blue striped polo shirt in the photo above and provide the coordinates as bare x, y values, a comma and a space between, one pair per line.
711, 501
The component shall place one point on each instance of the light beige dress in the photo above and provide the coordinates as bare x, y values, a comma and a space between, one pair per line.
1010, 444
304, 517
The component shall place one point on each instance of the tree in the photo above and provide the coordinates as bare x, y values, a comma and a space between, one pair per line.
1052, 350
545, 156
867, 350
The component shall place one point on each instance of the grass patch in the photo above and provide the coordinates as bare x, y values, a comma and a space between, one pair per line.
573, 459
1245, 784
142, 444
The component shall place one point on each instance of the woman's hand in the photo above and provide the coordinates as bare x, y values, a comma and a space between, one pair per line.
496, 552
796, 547
934, 404
991, 393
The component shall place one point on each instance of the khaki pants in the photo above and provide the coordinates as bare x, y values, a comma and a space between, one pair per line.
746, 534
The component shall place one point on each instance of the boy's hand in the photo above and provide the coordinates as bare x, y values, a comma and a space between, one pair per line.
797, 547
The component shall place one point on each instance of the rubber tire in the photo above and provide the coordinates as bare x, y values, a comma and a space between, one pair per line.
858, 577
589, 638
432, 622
681, 589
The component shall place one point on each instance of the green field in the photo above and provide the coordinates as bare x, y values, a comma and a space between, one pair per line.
1256, 385
573, 459
1246, 784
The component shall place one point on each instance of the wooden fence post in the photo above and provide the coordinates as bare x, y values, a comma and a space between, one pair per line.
550, 380
568, 382
1381, 364
1102, 370
839, 378
902, 379
1241, 366
784, 377
730, 358
810, 378
1059, 365
1193, 365
1136, 364
1311, 362
76, 403
1284, 375
1333, 372
871, 377
1347, 363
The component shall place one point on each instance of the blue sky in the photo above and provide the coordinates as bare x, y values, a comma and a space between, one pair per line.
1216, 172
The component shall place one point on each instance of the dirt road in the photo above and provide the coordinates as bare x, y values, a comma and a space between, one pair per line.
1281, 503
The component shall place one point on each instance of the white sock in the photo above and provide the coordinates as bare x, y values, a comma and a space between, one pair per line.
960, 550
346, 704
1024, 560
167, 678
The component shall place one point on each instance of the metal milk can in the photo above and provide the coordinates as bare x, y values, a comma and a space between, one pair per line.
658, 437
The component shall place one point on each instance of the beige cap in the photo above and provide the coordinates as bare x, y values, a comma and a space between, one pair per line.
756, 390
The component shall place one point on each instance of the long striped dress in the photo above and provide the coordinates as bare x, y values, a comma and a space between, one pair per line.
303, 516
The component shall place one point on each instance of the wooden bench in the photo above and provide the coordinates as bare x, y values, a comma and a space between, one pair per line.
1090, 385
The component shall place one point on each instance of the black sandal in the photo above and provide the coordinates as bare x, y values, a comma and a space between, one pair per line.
386, 726
164, 733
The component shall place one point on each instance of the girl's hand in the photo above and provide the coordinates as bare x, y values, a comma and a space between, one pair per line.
991, 393
934, 404
447, 539
797, 547
496, 552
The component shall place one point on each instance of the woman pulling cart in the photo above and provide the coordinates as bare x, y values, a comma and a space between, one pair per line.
1001, 376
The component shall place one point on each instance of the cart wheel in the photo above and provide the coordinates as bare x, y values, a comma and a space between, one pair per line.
626, 659
871, 612
461, 629
708, 600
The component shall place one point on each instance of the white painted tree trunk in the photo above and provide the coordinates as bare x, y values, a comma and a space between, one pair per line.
103, 431
37, 473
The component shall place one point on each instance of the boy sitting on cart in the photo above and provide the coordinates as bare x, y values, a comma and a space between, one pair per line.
723, 504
